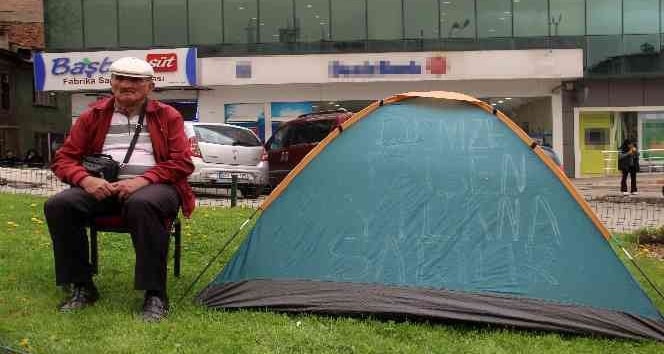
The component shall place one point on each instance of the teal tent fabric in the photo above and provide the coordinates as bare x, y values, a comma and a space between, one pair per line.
436, 195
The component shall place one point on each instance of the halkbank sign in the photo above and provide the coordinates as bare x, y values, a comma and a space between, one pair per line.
80, 71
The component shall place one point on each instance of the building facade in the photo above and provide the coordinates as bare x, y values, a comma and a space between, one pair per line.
29, 119
580, 75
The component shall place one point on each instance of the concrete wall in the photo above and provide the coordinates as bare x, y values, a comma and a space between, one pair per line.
537, 114
619, 93
23, 21
21, 11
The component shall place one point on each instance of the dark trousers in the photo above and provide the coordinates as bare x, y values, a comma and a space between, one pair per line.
144, 212
623, 181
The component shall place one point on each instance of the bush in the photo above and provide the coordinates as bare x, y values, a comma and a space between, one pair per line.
650, 235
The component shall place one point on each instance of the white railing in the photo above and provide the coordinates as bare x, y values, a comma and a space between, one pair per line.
647, 162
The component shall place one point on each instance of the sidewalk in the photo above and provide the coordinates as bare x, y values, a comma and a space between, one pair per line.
608, 188
625, 213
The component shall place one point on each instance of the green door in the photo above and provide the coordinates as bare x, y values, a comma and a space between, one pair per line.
595, 137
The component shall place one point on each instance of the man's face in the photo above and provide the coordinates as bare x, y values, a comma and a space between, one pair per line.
129, 91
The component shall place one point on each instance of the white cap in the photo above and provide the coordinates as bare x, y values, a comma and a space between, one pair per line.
132, 67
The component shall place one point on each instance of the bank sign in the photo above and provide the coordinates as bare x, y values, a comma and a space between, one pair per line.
436, 65
391, 67
81, 71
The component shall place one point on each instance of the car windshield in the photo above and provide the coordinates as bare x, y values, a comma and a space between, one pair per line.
225, 135
311, 132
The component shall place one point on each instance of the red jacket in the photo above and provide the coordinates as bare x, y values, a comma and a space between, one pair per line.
169, 142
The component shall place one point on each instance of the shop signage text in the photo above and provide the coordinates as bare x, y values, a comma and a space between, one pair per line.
166, 62
90, 71
434, 65
87, 67
397, 66
383, 67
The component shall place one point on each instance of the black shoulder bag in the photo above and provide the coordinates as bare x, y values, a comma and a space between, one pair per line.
103, 165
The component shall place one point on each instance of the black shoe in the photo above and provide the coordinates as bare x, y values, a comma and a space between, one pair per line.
81, 296
154, 308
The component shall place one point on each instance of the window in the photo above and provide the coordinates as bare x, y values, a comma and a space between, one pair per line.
187, 108
641, 16
604, 17
641, 44
421, 18
596, 137
312, 20
100, 23
277, 21
599, 51
47, 99
311, 132
279, 138
457, 19
4, 92
384, 19
240, 21
135, 22
568, 17
530, 18
170, 22
348, 20
63, 20
225, 135
205, 23
494, 18
653, 136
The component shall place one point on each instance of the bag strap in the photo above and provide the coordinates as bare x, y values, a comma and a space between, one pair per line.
137, 132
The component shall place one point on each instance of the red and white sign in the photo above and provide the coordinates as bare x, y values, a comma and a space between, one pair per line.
163, 62
77, 71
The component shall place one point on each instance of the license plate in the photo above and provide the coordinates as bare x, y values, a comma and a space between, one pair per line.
229, 175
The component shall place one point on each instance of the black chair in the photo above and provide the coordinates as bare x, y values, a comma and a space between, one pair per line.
114, 223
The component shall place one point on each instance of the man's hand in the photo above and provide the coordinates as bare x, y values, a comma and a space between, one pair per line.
127, 187
98, 187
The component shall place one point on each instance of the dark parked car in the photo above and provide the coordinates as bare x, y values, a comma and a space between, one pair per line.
295, 138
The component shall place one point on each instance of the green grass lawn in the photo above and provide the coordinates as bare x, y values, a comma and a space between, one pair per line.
29, 321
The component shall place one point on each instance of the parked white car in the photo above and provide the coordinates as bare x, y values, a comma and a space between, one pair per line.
220, 151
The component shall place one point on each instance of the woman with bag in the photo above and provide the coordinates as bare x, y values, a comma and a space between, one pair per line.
628, 164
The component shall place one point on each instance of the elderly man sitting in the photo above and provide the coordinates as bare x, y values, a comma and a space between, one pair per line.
151, 187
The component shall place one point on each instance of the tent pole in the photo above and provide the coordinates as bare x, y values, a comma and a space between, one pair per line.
216, 256
642, 272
